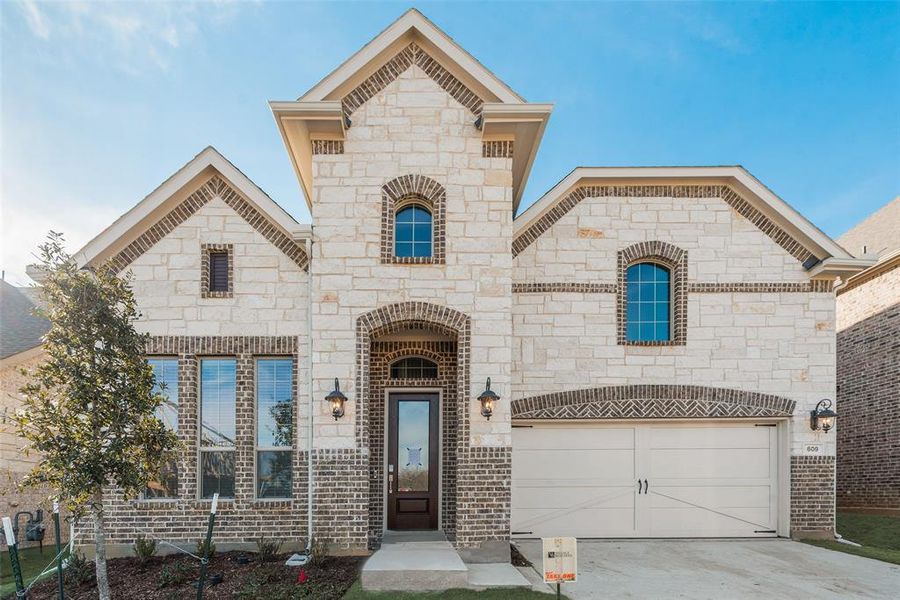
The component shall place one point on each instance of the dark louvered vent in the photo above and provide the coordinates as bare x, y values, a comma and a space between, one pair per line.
218, 271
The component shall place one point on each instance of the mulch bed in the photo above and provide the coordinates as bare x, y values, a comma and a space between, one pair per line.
170, 578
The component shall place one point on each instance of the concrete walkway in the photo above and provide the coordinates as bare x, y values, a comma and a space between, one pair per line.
720, 569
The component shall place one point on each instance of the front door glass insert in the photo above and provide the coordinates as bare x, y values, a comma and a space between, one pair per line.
413, 426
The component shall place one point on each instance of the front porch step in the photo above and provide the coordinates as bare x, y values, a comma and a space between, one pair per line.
404, 564
426, 561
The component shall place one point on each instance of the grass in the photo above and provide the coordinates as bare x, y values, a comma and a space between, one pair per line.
357, 593
878, 534
32, 562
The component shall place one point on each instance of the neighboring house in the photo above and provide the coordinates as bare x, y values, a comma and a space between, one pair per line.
868, 366
657, 337
20, 348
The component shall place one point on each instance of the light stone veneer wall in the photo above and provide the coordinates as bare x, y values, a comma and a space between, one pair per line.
778, 343
411, 127
13, 462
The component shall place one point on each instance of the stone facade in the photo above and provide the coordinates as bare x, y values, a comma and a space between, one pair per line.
868, 371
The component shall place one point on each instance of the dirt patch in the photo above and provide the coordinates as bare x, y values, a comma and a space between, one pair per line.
517, 558
171, 578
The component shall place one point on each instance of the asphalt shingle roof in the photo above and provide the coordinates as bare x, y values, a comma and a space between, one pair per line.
19, 329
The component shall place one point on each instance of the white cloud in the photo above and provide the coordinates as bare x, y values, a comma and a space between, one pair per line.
35, 19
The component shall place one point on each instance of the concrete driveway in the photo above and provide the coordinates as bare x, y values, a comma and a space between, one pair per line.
720, 569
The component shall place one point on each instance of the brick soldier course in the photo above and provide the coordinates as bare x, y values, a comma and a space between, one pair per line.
538, 303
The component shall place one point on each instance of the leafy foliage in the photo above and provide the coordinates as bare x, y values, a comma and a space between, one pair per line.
177, 573
201, 548
268, 549
89, 408
144, 548
78, 569
318, 551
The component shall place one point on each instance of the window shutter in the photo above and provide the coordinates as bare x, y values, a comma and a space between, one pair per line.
218, 271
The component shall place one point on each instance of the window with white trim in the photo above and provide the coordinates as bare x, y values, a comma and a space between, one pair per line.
274, 427
218, 385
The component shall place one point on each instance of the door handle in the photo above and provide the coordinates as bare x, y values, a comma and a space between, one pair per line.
390, 479
639, 487
646, 486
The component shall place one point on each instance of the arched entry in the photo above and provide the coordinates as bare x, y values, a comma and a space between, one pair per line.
442, 336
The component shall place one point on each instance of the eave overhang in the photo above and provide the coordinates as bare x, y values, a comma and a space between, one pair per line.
525, 125
301, 122
843, 268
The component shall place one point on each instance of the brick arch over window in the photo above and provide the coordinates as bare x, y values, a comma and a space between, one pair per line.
673, 258
652, 402
426, 191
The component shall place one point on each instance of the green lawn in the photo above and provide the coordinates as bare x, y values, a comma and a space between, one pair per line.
878, 534
357, 593
32, 561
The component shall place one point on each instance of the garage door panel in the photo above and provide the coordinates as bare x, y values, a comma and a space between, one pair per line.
709, 437
573, 438
554, 465
573, 498
711, 463
616, 522
714, 497
691, 522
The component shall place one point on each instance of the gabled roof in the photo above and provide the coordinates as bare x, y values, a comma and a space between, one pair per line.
325, 111
879, 233
202, 169
753, 199
20, 329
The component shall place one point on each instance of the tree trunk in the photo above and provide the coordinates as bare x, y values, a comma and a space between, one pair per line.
100, 550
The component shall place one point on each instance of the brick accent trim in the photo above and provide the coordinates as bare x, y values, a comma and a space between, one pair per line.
673, 258
409, 56
652, 402
766, 287
812, 496
791, 245
214, 187
213, 345
429, 192
327, 146
497, 149
205, 250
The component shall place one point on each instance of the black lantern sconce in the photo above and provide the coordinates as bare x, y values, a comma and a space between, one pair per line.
487, 399
336, 398
822, 417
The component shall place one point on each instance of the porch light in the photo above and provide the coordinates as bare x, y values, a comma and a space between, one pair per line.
822, 417
487, 399
336, 398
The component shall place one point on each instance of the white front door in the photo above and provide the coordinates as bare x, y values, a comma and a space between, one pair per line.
645, 480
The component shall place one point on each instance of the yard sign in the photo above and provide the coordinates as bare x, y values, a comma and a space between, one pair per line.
560, 559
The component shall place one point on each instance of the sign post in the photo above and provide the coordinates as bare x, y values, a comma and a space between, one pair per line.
59, 558
14, 556
560, 560
205, 560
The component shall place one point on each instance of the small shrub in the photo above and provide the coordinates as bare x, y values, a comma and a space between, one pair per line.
318, 551
268, 549
177, 573
144, 548
201, 548
78, 569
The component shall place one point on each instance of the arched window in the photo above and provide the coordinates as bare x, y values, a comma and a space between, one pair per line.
414, 367
649, 303
412, 232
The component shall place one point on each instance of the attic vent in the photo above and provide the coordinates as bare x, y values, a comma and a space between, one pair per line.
218, 271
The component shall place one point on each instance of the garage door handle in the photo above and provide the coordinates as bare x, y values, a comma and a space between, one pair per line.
639, 487
646, 486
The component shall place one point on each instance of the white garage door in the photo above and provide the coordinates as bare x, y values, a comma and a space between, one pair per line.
649, 480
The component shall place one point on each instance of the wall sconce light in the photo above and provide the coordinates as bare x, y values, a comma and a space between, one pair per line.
822, 417
487, 399
336, 398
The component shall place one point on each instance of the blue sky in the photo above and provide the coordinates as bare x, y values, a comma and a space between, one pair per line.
102, 102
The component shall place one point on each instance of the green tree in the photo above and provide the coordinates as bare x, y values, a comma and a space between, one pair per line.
89, 407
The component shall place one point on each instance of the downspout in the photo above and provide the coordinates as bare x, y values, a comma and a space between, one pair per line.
309, 381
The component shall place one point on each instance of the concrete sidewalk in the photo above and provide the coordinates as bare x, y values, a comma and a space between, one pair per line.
722, 569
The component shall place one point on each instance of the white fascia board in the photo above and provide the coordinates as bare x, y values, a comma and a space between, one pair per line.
415, 21
208, 158
841, 267
734, 173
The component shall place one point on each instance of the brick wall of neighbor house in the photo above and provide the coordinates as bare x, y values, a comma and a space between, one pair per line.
13, 462
413, 127
754, 320
868, 371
